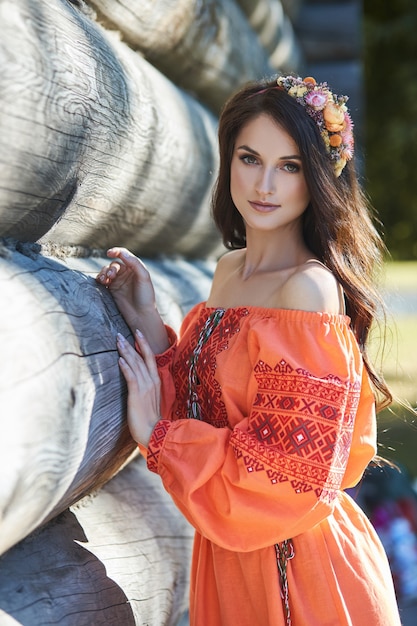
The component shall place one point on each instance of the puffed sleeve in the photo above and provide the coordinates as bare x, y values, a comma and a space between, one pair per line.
277, 472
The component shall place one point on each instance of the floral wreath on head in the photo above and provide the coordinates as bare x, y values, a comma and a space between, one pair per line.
330, 113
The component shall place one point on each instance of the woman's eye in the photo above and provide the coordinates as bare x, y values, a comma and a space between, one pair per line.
292, 167
249, 159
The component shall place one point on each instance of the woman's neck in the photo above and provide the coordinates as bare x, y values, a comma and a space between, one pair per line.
266, 253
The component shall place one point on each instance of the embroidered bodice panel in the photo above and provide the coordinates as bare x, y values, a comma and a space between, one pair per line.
290, 391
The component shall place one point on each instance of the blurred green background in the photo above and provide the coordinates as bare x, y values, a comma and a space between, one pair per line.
397, 426
390, 89
390, 86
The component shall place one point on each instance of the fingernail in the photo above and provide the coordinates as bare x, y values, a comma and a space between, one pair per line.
120, 338
139, 334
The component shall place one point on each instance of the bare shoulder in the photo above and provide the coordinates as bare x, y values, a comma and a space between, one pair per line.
224, 268
312, 287
228, 263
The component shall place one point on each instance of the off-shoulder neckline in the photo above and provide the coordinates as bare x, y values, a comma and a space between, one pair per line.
298, 314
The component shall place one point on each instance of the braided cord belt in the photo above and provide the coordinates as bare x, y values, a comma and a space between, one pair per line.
193, 408
284, 551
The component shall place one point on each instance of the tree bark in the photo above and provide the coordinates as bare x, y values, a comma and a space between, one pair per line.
118, 558
205, 47
275, 32
62, 396
96, 146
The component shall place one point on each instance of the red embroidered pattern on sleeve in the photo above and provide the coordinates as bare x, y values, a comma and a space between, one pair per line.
164, 359
300, 428
155, 444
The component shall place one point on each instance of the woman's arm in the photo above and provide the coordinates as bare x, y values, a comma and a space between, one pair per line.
130, 284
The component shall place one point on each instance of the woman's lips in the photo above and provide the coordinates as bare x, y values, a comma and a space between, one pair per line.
263, 207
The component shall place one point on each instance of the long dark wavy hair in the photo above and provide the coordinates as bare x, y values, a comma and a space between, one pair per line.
338, 224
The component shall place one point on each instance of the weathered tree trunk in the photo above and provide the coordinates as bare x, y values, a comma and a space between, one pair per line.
275, 32
205, 47
62, 397
96, 146
118, 558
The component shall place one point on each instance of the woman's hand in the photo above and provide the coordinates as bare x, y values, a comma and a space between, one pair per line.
130, 284
144, 387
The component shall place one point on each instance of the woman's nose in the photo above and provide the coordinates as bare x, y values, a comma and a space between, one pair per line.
265, 185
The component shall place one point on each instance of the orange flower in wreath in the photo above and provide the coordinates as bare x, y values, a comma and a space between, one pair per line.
334, 117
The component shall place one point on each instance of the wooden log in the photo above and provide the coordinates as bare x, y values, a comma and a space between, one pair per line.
205, 47
120, 557
275, 32
62, 396
96, 146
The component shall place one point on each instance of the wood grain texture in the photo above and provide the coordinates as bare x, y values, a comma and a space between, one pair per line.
207, 48
275, 32
62, 396
118, 558
96, 146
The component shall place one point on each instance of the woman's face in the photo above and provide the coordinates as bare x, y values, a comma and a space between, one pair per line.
267, 182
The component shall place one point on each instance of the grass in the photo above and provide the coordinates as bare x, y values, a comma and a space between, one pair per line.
397, 427
400, 363
401, 275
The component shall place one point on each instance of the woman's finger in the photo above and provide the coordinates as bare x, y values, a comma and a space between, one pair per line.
102, 275
130, 260
109, 272
127, 371
132, 358
144, 376
148, 356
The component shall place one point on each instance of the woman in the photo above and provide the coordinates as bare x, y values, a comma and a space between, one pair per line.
267, 410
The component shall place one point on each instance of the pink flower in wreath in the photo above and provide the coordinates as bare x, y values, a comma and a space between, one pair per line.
348, 145
317, 99
347, 138
348, 123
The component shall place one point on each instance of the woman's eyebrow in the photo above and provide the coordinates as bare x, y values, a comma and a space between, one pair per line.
248, 149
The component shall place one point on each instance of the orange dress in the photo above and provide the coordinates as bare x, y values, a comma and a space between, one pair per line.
268, 416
